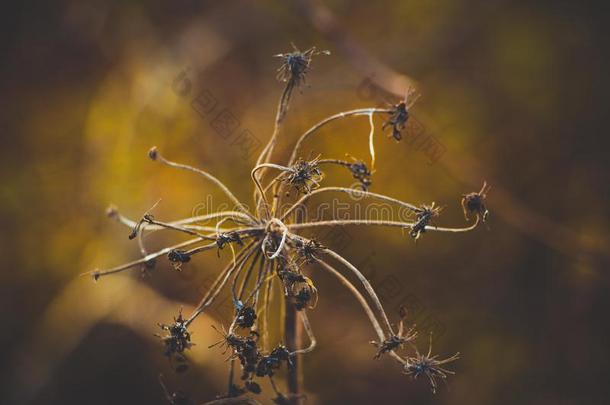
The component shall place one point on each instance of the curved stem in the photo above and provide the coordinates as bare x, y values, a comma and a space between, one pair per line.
359, 297
367, 286
237, 296
371, 141
312, 339
258, 184
157, 156
282, 241
353, 193
312, 130
282, 108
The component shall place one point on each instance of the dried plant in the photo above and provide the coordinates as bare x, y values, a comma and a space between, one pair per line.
267, 248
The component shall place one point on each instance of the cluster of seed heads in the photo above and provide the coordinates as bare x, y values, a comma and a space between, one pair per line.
267, 249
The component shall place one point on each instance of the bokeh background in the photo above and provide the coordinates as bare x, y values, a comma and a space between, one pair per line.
515, 91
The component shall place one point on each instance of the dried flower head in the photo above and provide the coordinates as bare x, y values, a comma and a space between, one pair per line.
306, 295
267, 365
399, 114
396, 341
357, 168
298, 288
474, 203
361, 173
225, 238
424, 216
308, 249
268, 246
177, 257
304, 175
176, 340
228, 237
296, 64
245, 317
230, 341
430, 366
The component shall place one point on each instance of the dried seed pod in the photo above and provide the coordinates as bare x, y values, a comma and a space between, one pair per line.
474, 203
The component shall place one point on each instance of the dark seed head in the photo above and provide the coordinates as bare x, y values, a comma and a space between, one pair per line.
304, 175
177, 338
246, 317
295, 65
398, 120
178, 256
361, 173
474, 203
424, 216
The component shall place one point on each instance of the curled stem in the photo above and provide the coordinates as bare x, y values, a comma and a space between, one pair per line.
312, 130
155, 155
310, 335
258, 183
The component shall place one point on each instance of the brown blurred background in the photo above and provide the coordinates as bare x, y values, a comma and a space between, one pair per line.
514, 91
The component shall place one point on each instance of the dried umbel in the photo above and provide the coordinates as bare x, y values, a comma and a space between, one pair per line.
267, 247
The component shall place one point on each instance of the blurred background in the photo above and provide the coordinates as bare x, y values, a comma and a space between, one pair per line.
513, 92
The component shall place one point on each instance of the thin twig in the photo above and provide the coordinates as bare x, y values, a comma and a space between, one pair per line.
371, 222
353, 193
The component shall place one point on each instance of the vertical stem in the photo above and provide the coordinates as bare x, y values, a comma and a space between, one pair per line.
292, 336
231, 376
